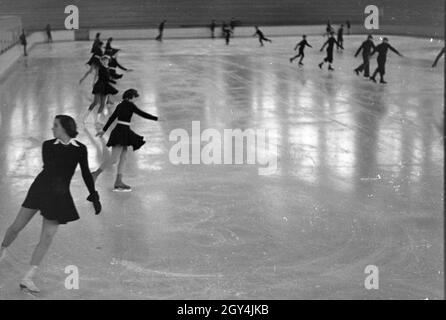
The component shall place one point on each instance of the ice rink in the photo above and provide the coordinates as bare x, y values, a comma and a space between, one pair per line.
359, 179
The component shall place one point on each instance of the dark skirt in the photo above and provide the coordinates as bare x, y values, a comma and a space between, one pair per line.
104, 88
94, 61
53, 199
122, 135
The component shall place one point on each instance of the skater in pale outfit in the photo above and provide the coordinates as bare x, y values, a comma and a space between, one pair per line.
50, 193
122, 136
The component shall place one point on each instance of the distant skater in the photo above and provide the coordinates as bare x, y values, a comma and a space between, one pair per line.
348, 27
48, 34
438, 58
261, 36
382, 58
213, 26
161, 31
367, 47
301, 45
122, 136
328, 29
340, 37
330, 42
50, 193
232, 26
227, 32
108, 46
23, 42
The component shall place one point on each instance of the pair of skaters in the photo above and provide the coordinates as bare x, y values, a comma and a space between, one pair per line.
368, 49
330, 47
50, 191
229, 30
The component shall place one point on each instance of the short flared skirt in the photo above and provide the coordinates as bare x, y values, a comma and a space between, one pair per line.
94, 61
104, 88
53, 199
122, 135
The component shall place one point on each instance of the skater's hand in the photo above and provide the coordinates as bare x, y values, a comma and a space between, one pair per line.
94, 197
129, 70
100, 133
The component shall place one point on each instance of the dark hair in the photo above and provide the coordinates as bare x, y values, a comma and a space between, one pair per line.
130, 94
68, 124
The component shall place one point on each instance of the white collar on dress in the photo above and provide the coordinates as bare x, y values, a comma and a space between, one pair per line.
72, 141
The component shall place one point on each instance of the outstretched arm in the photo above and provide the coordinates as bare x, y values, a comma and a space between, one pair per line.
121, 67
143, 114
324, 45
111, 119
394, 50
438, 58
308, 45
359, 50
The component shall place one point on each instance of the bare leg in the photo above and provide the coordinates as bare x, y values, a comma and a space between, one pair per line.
86, 74
90, 108
22, 219
49, 229
119, 183
115, 156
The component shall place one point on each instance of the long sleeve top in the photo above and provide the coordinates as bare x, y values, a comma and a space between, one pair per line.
60, 162
382, 50
124, 112
367, 48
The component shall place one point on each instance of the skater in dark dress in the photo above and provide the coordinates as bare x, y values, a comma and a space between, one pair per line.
113, 64
301, 45
102, 88
23, 42
382, 50
96, 41
161, 31
348, 27
367, 47
261, 36
213, 26
95, 61
122, 136
340, 37
108, 46
438, 58
330, 42
50, 193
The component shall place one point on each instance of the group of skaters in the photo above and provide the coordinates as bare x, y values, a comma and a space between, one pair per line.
50, 191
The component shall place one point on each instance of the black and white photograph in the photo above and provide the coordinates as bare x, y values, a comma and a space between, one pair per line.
222, 150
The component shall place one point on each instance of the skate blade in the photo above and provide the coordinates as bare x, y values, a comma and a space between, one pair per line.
27, 290
121, 190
